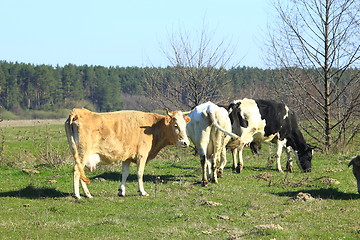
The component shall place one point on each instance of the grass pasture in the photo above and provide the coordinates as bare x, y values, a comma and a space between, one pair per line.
259, 203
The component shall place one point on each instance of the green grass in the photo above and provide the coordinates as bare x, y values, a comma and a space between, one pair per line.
34, 207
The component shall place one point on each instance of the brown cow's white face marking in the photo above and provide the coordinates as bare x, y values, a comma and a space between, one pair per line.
178, 123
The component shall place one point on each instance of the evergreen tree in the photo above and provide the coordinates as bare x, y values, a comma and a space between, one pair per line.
2, 86
12, 93
72, 83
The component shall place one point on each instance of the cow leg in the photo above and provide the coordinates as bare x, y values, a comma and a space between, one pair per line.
77, 178
209, 167
205, 162
204, 170
86, 190
140, 173
289, 163
222, 162
76, 182
216, 145
83, 184
234, 153
240, 163
215, 167
124, 176
356, 172
279, 145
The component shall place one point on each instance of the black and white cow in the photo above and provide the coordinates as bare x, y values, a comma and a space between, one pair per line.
257, 121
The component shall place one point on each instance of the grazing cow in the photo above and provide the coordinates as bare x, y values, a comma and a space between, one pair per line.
123, 136
268, 121
355, 162
206, 130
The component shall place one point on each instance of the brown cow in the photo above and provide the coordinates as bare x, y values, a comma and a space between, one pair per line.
123, 136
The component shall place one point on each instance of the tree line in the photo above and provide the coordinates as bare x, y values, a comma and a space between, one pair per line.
46, 87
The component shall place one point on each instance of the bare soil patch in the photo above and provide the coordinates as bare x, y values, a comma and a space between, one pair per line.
305, 197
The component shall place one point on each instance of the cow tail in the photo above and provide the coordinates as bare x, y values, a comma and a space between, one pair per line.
72, 118
78, 163
214, 121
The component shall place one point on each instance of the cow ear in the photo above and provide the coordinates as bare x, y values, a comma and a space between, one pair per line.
231, 106
187, 119
168, 113
167, 120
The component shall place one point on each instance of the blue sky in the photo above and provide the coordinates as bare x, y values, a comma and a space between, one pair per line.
125, 33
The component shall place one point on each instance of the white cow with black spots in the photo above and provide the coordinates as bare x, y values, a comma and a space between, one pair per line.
258, 121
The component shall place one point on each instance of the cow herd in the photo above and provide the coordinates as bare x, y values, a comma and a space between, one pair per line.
134, 136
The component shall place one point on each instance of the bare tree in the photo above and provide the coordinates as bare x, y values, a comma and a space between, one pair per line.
197, 71
316, 47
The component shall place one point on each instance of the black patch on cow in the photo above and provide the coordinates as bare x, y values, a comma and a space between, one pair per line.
243, 122
231, 106
273, 113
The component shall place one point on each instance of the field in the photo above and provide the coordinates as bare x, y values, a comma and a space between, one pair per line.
36, 196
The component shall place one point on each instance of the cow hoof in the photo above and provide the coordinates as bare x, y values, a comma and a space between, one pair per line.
143, 194
220, 173
121, 195
238, 169
289, 167
204, 183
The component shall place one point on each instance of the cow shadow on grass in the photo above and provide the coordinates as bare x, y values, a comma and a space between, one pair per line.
323, 193
32, 192
116, 176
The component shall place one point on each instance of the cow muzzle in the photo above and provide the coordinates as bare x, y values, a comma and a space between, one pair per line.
184, 143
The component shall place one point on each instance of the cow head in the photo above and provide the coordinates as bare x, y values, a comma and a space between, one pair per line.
235, 115
177, 121
304, 158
